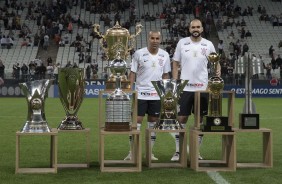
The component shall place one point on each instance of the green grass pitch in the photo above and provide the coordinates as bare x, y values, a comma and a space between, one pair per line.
71, 148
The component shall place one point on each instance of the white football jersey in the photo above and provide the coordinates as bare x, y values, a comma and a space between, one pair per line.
192, 56
149, 68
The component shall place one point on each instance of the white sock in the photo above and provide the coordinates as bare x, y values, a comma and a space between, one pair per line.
200, 139
139, 126
130, 136
153, 134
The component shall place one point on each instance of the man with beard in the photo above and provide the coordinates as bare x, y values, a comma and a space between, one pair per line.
150, 63
191, 56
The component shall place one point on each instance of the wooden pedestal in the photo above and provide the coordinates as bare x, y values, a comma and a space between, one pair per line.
53, 153
136, 160
85, 164
267, 161
133, 165
182, 149
228, 161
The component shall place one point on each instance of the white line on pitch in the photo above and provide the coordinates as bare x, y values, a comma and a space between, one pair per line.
217, 178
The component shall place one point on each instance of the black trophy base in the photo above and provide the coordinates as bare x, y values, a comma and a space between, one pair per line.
168, 124
117, 126
111, 85
216, 124
248, 121
71, 123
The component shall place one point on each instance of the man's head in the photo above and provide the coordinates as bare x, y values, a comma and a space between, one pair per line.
196, 28
154, 40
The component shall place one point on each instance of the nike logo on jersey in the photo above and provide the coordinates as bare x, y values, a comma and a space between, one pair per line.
187, 50
187, 43
203, 44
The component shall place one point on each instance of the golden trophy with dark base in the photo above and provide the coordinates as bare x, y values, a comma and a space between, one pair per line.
214, 121
117, 42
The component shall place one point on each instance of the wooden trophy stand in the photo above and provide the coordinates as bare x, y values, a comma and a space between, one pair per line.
86, 164
182, 149
53, 153
228, 153
133, 165
267, 154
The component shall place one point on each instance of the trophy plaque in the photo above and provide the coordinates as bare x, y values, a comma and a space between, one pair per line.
118, 110
117, 41
71, 89
169, 91
36, 93
249, 119
214, 121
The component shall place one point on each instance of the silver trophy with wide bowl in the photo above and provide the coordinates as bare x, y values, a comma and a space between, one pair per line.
118, 103
36, 93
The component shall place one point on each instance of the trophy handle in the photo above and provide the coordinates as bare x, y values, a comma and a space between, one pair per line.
96, 28
180, 86
138, 29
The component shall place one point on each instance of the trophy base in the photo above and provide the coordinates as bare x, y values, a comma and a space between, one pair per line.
71, 123
35, 128
216, 124
117, 126
111, 85
167, 124
248, 121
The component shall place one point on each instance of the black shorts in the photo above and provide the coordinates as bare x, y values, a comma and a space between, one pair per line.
150, 107
186, 103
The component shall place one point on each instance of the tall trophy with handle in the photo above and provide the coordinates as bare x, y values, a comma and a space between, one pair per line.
214, 121
169, 91
36, 93
71, 90
117, 41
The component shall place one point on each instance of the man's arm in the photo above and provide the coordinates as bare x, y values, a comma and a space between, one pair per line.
132, 76
165, 76
175, 66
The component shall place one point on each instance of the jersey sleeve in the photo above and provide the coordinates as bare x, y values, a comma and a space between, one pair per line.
167, 67
177, 53
134, 62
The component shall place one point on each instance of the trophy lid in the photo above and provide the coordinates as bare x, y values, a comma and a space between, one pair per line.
117, 30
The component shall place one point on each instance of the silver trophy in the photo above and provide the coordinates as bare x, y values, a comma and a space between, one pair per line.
169, 91
35, 93
118, 103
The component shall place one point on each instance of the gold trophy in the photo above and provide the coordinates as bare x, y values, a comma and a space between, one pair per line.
169, 91
71, 90
214, 121
115, 43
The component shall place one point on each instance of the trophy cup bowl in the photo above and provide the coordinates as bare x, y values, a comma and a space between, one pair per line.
36, 93
115, 44
71, 89
169, 91
118, 66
